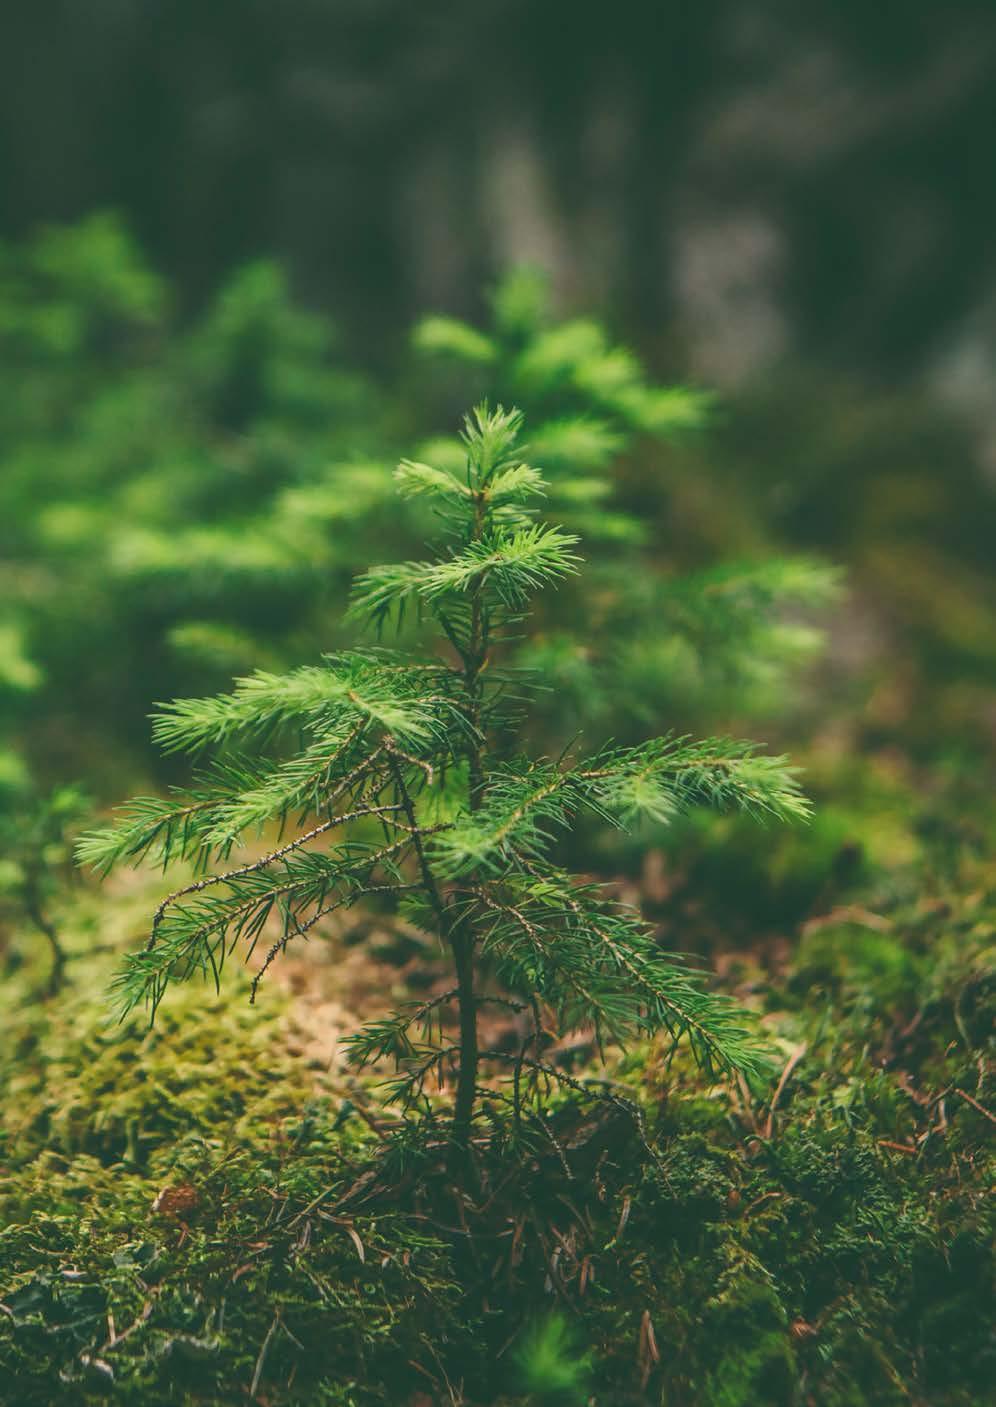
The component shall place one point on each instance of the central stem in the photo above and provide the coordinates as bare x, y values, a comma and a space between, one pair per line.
463, 953
473, 658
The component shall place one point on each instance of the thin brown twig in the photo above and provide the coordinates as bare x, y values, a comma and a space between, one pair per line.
260, 1361
980, 1108
786, 1075
253, 866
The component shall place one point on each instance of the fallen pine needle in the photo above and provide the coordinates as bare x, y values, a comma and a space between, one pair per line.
976, 1105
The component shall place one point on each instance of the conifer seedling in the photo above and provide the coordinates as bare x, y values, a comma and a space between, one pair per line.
397, 782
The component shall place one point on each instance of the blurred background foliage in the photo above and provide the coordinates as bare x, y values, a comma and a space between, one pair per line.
181, 503
823, 169
201, 389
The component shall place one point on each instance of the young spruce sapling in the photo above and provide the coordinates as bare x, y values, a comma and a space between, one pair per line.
403, 781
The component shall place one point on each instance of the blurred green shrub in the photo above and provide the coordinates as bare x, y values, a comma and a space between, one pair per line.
161, 482
646, 640
35, 859
181, 501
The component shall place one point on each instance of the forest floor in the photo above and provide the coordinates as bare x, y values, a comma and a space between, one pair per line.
214, 1211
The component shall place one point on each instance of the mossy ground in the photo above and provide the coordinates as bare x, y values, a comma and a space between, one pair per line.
203, 1214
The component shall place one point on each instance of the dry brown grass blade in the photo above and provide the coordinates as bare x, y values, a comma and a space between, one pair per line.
261, 1359
980, 1108
786, 1075
648, 1354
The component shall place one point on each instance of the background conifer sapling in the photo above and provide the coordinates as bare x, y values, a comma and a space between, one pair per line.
656, 623
405, 787
35, 853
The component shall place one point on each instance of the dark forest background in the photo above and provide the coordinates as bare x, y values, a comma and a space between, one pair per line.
745, 184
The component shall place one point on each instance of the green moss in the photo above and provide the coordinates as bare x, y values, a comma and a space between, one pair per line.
762, 1370
149, 1183
836, 1250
